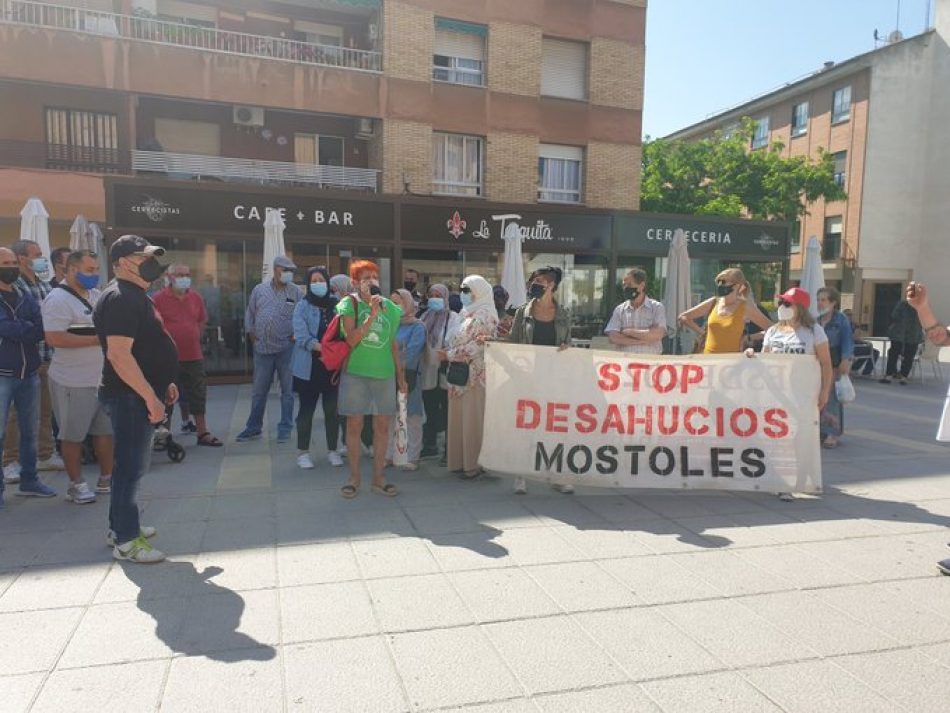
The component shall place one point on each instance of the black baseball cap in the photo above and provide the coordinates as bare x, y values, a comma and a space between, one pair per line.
133, 245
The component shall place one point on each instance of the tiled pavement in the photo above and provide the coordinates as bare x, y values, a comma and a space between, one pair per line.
281, 596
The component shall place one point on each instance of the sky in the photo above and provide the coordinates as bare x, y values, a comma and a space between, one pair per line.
704, 56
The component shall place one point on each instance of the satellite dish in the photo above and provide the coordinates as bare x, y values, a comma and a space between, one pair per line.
895, 36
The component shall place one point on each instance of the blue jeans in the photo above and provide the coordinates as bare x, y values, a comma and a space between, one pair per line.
25, 395
265, 366
132, 434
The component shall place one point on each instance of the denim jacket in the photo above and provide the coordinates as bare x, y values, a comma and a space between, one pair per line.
310, 323
840, 338
21, 329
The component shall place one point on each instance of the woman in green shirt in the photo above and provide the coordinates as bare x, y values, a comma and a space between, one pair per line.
371, 373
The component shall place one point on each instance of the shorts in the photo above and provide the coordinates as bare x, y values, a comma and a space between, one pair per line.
363, 396
194, 390
79, 412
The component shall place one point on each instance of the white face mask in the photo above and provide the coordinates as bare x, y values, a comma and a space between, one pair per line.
822, 311
786, 314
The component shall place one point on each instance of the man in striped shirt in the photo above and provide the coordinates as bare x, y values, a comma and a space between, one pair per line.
638, 324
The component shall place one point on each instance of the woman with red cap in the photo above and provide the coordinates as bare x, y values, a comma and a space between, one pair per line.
797, 333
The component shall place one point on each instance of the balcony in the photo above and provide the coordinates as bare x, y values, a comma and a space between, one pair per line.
187, 167
155, 31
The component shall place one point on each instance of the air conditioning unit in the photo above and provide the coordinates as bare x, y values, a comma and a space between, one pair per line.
249, 115
364, 129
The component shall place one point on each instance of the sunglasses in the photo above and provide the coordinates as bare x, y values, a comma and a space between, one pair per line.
784, 303
466, 290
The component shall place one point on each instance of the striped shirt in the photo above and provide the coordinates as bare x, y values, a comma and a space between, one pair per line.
38, 290
648, 315
269, 316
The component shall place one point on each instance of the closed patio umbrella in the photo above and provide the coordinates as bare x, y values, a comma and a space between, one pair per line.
273, 242
79, 234
813, 275
34, 224
97, 244
676, 295
512, 275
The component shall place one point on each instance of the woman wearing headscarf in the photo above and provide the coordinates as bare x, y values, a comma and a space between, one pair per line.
312, 381
467, 402
441, 325
411, 338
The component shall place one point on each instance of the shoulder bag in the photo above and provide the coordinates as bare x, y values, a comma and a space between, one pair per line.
334, 350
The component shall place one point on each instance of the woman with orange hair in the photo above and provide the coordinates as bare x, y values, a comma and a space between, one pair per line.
726, 314
371, 373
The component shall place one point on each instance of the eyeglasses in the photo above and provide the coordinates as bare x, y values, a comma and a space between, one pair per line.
465, 290
784, 303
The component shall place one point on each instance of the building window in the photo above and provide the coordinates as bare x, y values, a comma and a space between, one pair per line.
187, 13
564, 69
82, 139
318, 150
831, 245
760, 136
559, 173
186, 136
841, 105
841, 166
459, 52
319, 34
800, 119
796, 237
457, 164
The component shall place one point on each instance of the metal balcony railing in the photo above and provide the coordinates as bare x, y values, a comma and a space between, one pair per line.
224, 168
150, 29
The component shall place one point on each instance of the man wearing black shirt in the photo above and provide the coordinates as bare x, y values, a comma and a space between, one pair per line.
137, 384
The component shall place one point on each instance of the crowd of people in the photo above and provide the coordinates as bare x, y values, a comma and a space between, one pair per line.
88, 374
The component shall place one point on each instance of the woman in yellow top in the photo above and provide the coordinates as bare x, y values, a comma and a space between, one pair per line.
726, 314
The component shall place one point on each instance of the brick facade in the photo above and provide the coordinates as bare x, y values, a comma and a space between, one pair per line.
512, 173
514, 59
613, 176
407, 154
616, 74
408, 36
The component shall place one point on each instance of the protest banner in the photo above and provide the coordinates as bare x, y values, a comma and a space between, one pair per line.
611, 419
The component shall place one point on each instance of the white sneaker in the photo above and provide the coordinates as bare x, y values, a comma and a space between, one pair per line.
304, 461
11, 473
139, 550
367, 450
54, 462
786, 497
80, 493
336, 460
521, 487
144, 531
563, 488
342, 452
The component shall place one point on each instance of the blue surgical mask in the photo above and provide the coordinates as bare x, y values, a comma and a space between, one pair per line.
87, 281
436, 304
182, 283
318, 289
286, 277
466, 298
40, 265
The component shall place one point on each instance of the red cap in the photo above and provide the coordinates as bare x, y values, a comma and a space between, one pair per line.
796, 296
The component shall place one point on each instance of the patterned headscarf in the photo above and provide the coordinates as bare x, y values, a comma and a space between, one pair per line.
437, 320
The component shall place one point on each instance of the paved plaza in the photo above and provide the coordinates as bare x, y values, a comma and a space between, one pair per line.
281, 596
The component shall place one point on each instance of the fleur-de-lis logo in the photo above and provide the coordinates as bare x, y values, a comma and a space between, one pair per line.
456, 225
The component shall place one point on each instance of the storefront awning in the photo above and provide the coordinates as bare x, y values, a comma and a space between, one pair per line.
442, 23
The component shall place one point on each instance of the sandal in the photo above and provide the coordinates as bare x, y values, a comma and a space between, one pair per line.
349, 491
474, 475
206, 439
389, 490
830, 443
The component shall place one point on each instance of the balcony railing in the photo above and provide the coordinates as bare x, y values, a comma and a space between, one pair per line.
179, 165
150, 29
189, 167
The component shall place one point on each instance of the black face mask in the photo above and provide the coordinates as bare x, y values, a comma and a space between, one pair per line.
631, 293
411, 286
536, 291
9, 275
723, 290
374, 290
151, 269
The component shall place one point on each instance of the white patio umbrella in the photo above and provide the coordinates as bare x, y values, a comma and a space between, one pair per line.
512, 274
813, 275
79, 234
97, 244
676, 294
34, 224
273, 242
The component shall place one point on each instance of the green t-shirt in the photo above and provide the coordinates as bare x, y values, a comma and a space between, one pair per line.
373, 356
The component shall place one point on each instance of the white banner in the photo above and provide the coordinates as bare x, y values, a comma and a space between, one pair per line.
609, 419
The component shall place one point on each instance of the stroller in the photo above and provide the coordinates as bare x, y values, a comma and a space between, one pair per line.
163, 441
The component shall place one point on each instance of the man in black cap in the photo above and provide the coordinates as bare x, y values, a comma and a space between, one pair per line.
137, 384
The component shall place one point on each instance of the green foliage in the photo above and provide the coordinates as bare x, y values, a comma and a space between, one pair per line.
721, 176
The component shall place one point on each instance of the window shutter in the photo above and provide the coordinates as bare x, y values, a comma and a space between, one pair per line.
564, 70
463, 45
184, 136
568, 153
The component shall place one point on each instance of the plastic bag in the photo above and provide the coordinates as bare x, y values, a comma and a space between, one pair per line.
844, 389
401, 435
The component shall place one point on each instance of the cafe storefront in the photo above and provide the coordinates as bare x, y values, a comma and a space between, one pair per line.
218, 230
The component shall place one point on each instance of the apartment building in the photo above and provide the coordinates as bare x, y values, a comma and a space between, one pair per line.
407, 131
885, 118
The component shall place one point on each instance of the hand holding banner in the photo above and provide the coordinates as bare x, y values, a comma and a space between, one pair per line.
618, 420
